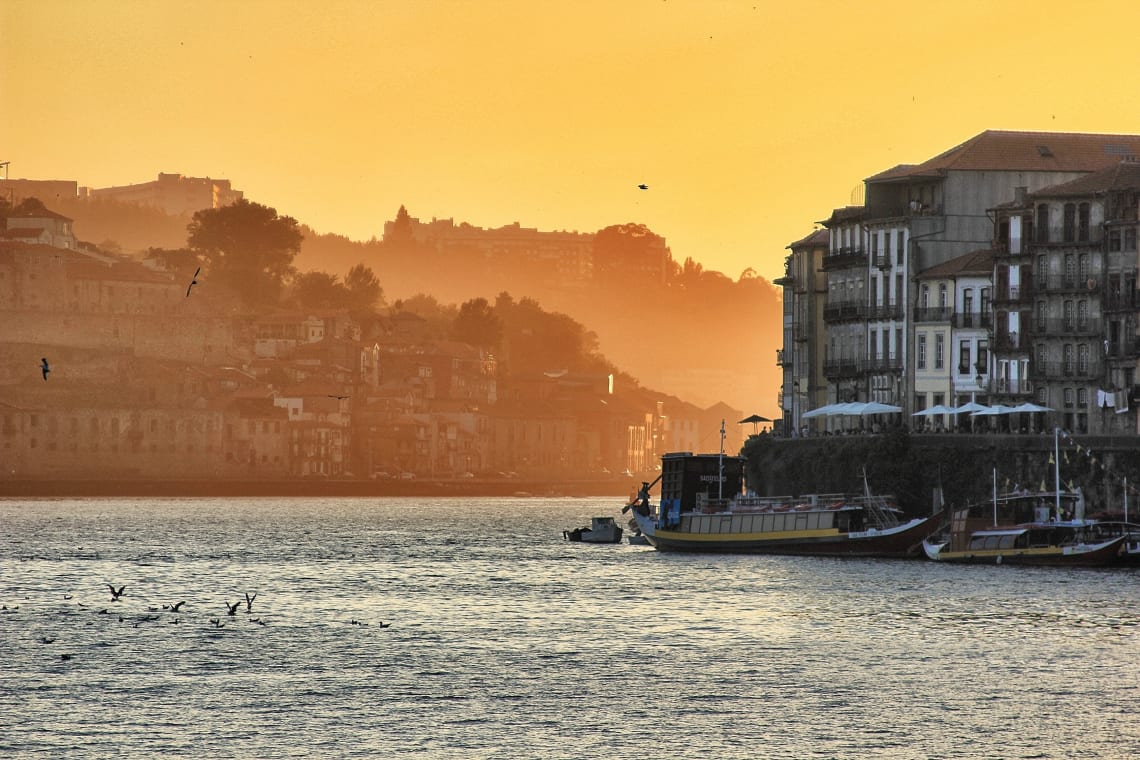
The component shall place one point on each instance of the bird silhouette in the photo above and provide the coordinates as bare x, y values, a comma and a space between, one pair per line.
643, 187
217, 623
193, 281
115, 594
46, 640
338, 398
44, 368
232, 608
249, 601
176, 607
385, 625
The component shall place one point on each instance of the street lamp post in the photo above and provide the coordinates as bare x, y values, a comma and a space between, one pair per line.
796, 408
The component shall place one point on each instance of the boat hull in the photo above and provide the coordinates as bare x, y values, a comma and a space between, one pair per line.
1082, 555
904, 541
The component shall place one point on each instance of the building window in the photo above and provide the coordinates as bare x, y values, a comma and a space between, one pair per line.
1083, 266
1067, 359
1114, 240
1042, 311
1068, 396
1083, 314
920, 360
964, 357
1070, 270
1069, 228
1043, 223
900, 246
942, 296
1082, 397
1068, 315
939, 350
1130, 239
1042, 356
1042, 271
1083, 358
924, 298
968, 301
1083, 222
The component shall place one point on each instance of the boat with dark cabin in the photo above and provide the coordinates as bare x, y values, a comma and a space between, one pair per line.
703, 508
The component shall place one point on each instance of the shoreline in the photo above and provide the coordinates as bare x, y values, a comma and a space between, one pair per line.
312, 488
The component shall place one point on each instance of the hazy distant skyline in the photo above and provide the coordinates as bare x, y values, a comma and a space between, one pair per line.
748, 121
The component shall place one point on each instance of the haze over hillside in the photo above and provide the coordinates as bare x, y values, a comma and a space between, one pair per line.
692, 333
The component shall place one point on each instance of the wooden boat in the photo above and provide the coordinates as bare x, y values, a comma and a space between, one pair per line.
702, 508
1031, 528
602, 530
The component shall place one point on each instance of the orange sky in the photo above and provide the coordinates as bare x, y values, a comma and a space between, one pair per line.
748, 120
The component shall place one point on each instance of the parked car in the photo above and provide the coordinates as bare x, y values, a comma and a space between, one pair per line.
405, 475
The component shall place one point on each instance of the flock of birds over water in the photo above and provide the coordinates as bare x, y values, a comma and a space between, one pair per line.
169, 613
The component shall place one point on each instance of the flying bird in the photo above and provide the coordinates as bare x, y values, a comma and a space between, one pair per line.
193, 281
249, 601
115, 594
338, 398
44, 367
643, 187
176, 607
232, 608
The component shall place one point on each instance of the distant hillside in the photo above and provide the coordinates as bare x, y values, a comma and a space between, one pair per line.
700, 336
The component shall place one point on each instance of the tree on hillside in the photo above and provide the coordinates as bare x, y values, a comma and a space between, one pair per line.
318, 290
478, 324
439, 318
630, 255
364, 293
181, 261
247, 246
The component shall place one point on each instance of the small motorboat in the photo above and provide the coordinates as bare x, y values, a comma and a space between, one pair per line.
602, 530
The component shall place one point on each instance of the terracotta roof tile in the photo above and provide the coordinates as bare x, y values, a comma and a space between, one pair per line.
997, 150
1124, 175
974, 263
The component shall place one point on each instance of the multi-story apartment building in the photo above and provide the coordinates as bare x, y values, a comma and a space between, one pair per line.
845, 311
951, 318
1072, 249
918, 216
805, 289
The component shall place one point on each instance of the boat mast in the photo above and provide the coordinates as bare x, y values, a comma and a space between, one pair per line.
1057, 473
995, 496
720, 465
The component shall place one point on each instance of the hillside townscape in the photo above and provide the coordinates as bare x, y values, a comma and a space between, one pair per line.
229, 351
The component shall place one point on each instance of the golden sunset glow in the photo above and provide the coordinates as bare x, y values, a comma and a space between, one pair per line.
748, 121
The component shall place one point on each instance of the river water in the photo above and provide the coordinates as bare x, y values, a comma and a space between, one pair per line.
505, 641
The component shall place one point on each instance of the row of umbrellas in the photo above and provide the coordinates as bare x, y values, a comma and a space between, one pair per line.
975, 409
856, 409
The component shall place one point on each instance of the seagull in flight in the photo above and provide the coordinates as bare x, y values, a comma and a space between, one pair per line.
338, 398
115, 594
193, 281
249, 601
44, 367
643, 187
232, 608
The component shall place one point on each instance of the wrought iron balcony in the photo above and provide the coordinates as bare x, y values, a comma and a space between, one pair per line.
932, 313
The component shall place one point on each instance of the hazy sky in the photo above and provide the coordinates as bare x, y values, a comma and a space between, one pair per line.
749, 121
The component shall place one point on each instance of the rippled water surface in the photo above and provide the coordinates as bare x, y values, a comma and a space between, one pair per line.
505, 641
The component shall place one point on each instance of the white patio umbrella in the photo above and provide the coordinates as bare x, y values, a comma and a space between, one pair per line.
970, 406
1031, 407
936, 409
993, 410
819, 411
874, 407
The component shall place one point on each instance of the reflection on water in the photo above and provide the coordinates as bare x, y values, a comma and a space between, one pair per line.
507, 641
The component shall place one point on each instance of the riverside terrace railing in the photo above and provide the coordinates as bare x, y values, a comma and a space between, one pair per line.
1062, 283
1060, 326
973, 319
932, 313
838, 311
